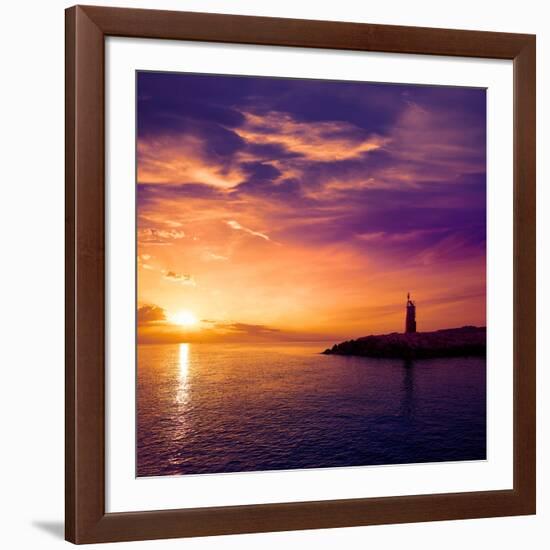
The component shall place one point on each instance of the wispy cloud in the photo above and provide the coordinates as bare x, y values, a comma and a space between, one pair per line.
183, 159
181, 278
209, 256
321, 141
153, 236
237, 226
143, 261
246, 328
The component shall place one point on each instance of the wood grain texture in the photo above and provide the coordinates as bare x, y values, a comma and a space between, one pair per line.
70, 364
86, 29
525, 272
85, 261
274, 31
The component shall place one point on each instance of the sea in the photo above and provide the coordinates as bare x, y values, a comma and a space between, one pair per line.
212, 408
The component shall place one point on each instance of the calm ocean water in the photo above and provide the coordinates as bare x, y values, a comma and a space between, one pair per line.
210, 408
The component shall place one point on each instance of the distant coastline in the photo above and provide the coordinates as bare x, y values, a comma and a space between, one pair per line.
453, 342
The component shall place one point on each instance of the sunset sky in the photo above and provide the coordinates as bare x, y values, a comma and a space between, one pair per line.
289, 210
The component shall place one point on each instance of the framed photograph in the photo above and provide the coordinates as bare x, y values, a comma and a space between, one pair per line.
300, 274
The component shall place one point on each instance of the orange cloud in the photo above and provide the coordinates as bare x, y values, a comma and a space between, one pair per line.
316, 141
151, 235
182, 159
149, 314
181, 278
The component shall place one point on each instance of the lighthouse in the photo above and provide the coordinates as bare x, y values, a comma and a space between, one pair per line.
410, 319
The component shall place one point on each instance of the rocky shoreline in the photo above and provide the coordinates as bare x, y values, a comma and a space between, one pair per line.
454, 342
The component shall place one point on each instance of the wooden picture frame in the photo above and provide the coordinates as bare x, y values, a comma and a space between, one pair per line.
86, 30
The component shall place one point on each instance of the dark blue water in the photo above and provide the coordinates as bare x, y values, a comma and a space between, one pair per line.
206, 408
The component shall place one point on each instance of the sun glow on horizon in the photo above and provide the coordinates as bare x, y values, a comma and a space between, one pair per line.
285, 222
184, 318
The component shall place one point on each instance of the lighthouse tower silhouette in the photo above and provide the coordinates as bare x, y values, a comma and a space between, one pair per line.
410, 319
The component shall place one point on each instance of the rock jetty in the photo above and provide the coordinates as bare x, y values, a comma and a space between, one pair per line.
452, 342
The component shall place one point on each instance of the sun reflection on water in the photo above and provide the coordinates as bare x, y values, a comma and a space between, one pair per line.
182, 392
184, 360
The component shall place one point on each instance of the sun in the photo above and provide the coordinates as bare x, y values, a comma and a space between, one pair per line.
184, 318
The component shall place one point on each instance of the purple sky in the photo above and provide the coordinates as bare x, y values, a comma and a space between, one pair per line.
388, 179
